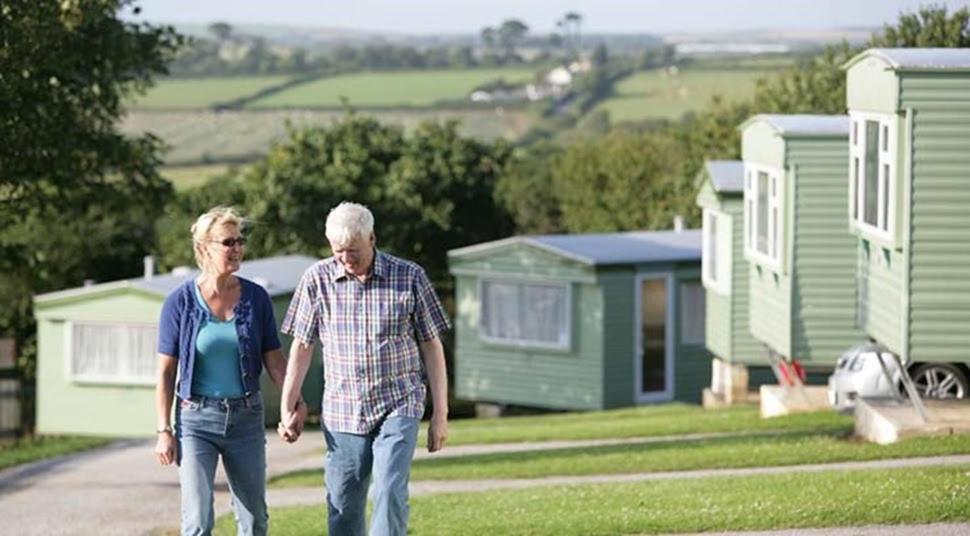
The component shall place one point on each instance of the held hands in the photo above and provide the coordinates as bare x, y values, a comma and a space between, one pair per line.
437, 433
165, 448
291, 422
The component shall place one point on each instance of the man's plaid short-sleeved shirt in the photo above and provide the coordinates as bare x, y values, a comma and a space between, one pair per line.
370, 333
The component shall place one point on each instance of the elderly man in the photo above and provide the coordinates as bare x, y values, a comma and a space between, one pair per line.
379, 322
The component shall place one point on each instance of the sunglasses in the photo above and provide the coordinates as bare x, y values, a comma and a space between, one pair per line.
230, 242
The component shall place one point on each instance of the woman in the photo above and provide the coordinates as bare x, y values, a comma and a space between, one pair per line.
215, 334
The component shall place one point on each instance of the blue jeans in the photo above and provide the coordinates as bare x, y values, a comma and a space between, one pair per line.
386, 452
234, 429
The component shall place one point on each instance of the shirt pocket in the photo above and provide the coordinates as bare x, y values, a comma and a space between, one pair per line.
395, 316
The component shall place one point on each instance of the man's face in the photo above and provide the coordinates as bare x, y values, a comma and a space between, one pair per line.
356, 256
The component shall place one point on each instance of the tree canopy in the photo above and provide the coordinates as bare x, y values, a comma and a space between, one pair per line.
78, 198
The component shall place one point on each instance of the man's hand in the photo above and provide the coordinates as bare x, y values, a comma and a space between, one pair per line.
165, 448
437, 433
291, 423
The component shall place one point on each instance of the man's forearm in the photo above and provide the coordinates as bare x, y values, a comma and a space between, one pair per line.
296, 369
433, 355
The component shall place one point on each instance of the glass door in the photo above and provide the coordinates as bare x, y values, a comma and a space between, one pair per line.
654, 366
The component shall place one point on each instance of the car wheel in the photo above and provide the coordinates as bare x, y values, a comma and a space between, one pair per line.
940, 380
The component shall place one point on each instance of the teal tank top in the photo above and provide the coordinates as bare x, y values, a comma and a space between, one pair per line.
218, 371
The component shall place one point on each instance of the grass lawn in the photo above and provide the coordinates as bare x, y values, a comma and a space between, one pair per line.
390, 89
734, 452
39, 448
205, 136
188, 177
760, 502
656, 95
667, 419
178, 93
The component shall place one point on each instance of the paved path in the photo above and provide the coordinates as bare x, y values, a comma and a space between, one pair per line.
120, 488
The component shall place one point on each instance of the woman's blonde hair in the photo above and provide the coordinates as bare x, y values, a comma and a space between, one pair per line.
203, 226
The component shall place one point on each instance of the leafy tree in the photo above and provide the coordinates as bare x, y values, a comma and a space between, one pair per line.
78, 198
440, 196
620, 182
510, 35
818, 85
929, 27
289, 193
220, 30
527, 190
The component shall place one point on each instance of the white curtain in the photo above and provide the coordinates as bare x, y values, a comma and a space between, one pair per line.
524, 313
114, 352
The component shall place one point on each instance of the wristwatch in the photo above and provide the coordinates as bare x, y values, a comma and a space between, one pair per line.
164, 430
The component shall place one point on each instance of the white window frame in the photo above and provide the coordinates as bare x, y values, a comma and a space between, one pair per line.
719, 253
886, 176
776, 215
565, 335
124, 375
701, 337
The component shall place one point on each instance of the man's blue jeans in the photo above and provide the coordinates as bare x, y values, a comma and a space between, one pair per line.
234, 429
386, 452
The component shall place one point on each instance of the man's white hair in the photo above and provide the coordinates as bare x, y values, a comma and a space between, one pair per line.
348, 222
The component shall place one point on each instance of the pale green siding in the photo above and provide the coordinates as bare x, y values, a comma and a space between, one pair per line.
491, 372
770, 290
940, 241
65, 406
824, 254
880, 293
770, 309
707, 197
871, 87
69, 406
523, 261
761, 144
746, 349
718, 324
619, 353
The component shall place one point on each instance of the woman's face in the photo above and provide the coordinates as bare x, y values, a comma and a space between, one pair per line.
224, 249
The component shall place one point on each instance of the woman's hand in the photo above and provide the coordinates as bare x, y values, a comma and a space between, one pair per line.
165, 448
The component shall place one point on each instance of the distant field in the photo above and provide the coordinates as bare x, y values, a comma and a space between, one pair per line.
202, 92
656, 94
389, 89
187, 177
206, 137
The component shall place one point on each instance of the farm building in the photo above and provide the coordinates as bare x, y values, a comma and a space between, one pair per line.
96, 350
725, 277
908, 192
802, 265
580, 321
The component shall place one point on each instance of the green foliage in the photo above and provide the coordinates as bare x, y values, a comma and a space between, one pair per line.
633, 181
620, 182
429, 192
78, 199
818, 84
930, 26
527, 191
440, 195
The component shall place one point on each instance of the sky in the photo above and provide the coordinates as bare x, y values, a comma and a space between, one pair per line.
599, 16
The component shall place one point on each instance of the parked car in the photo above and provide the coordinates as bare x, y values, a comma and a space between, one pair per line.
858, 373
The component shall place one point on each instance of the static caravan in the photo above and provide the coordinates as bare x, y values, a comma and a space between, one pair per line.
909, 193
738, 358
802, 266
580, 321
96, 350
